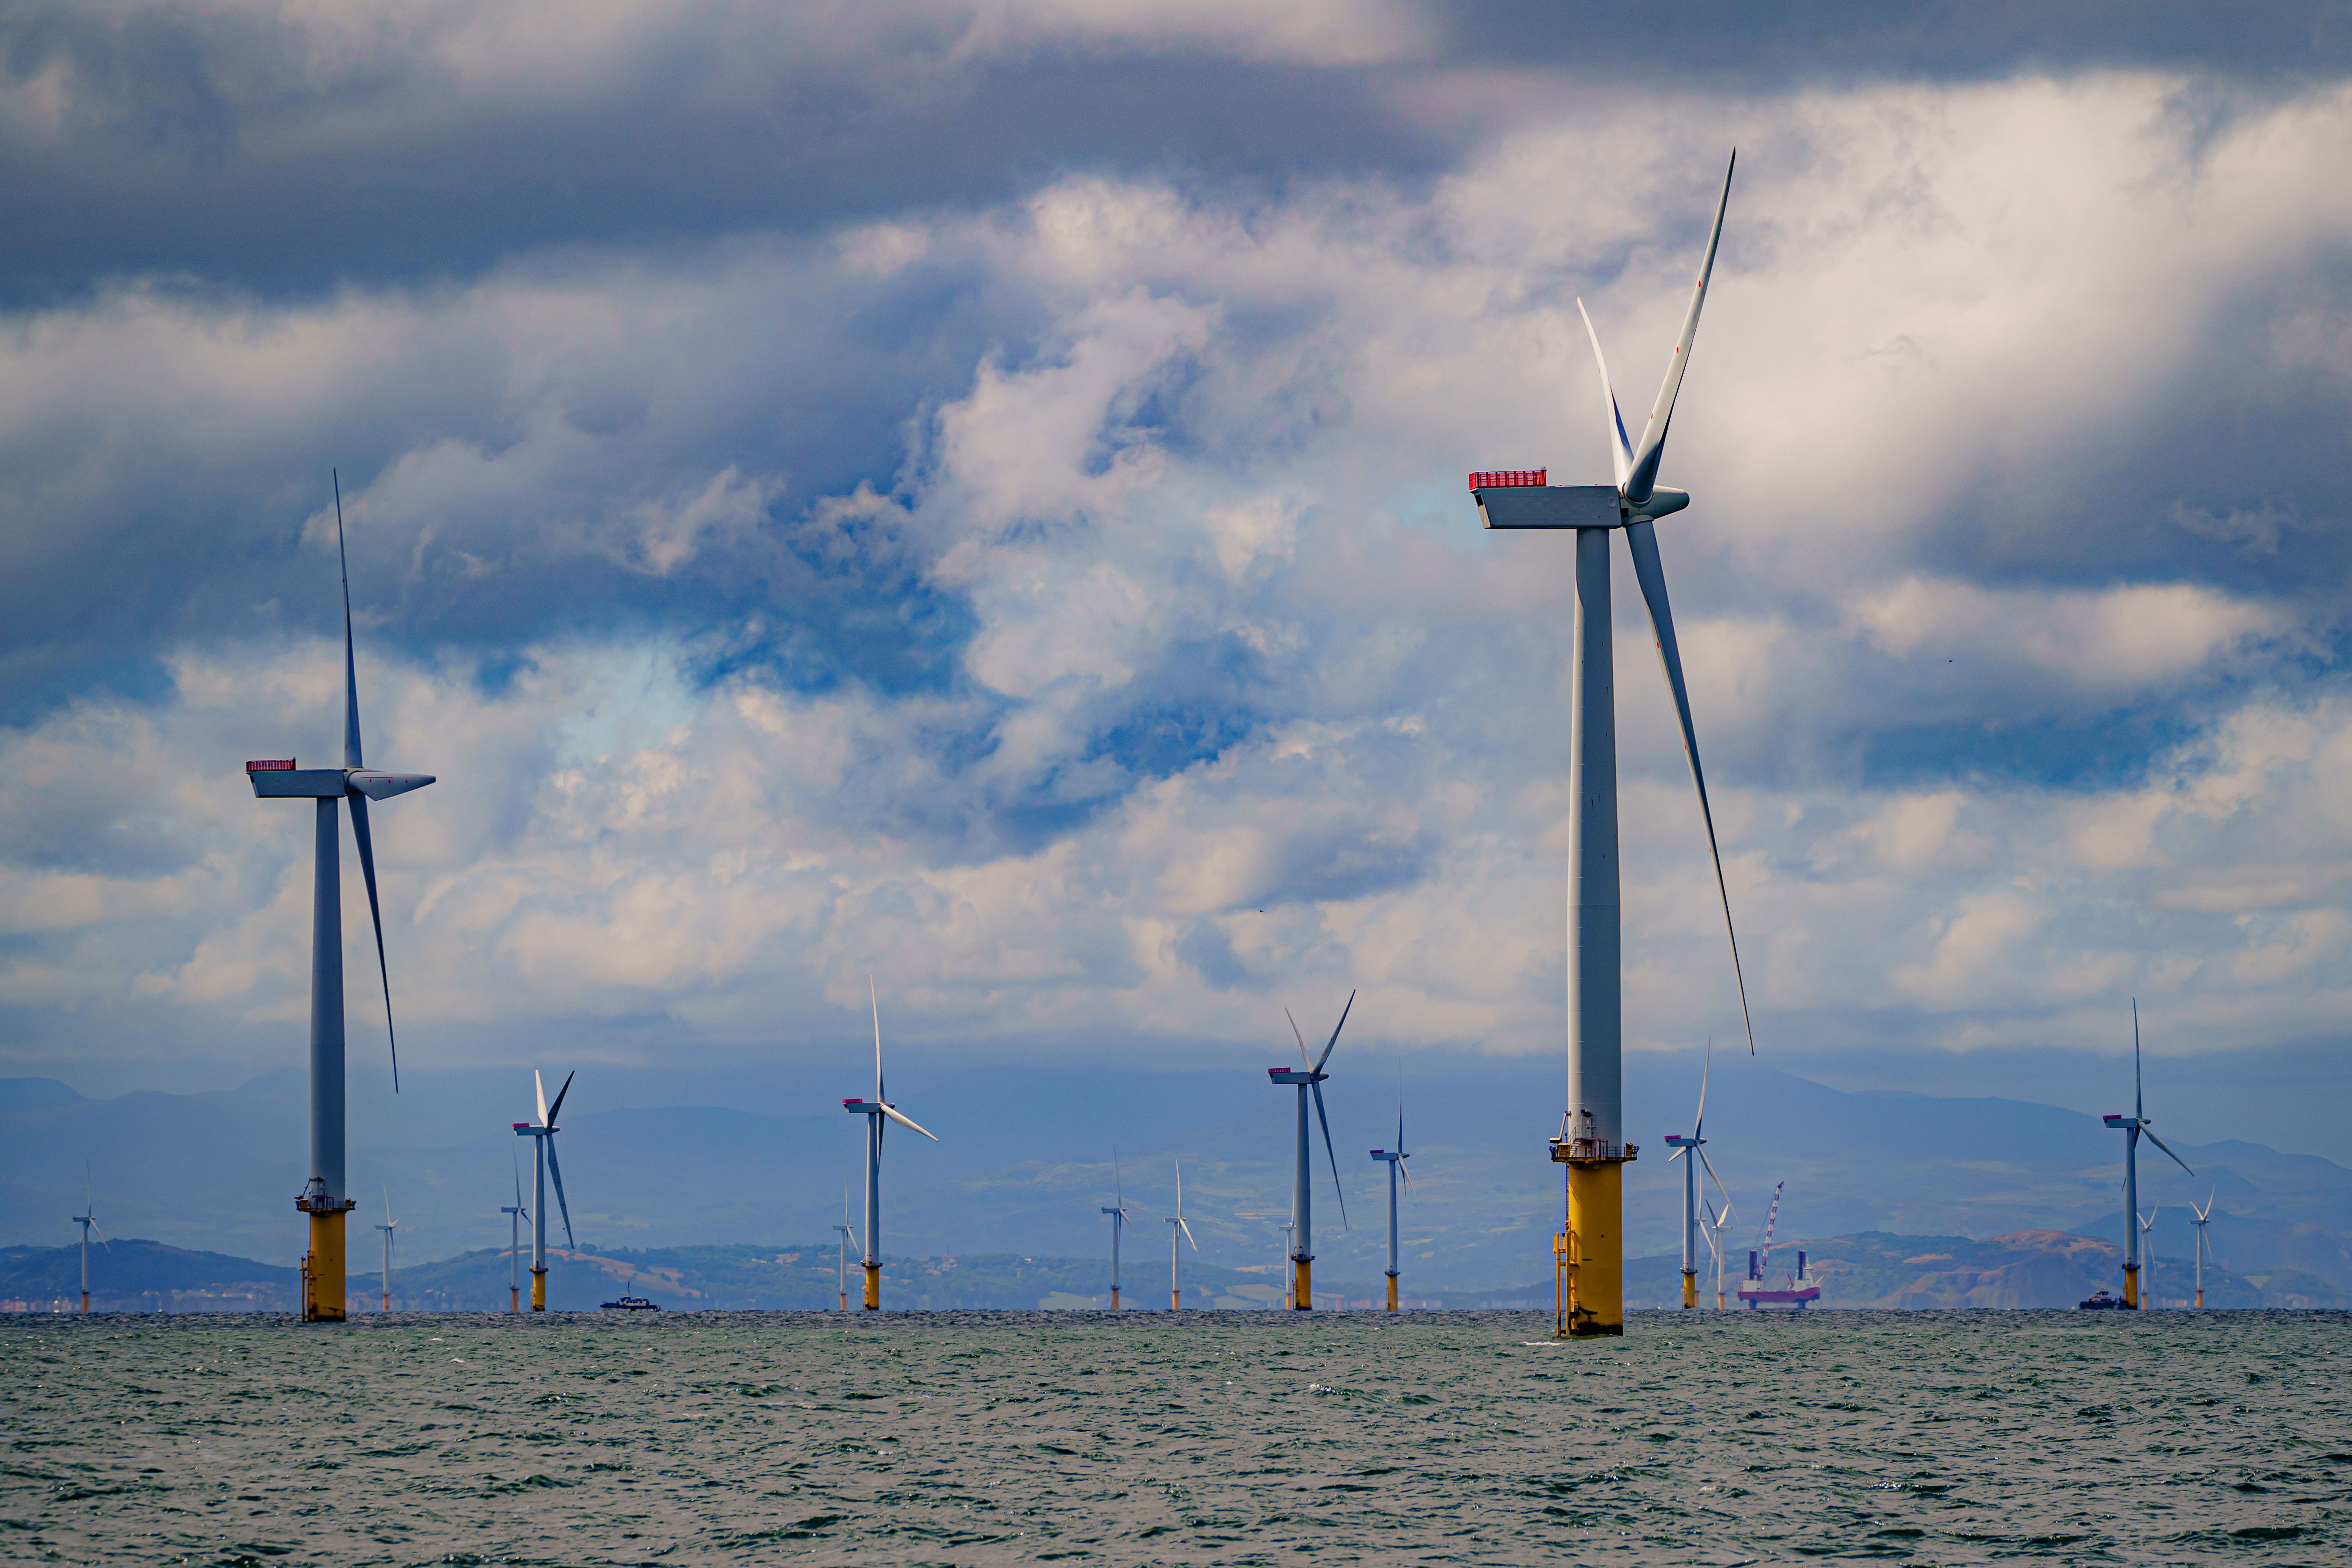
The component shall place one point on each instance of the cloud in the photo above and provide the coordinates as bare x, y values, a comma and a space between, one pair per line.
1066, 602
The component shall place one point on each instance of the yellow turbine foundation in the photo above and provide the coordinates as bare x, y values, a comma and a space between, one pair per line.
514, 1300
1690, 1289
539, 1289
1302, 1287
1392, 1292
323, 1295
872, 1287
2131, 1285
1596, 1210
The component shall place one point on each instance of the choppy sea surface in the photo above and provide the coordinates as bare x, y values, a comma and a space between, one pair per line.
1224, 1437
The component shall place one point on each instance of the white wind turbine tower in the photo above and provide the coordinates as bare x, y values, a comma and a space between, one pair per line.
2148, 1229
1175, 1284
841, 1243
1118, 1221
1395, 1160
543, 1164
2204, 1217
877, 1110
2134, 1128
1683, 1146
88, 1220
388, 1226
514, 1243
1302, 1190
322, 1195
1592, 1144
1713, 1232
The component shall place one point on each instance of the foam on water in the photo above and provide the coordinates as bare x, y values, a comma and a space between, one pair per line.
1226, 1438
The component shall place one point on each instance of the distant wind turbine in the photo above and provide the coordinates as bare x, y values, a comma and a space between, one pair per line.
841, 1243
1289, 1283
1118, 1221
2134, 1128
514, 1243
877, 1110
323, 1197
543, 1164
1682, 1145
1717, 1226
388, 1226
88, 1220
1593, 1140
2148, 1229
1175, 1285
1395, 1160
2204, 1217
1302, 1191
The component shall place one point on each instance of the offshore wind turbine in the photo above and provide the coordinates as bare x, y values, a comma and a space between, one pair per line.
1591, 1144
1302, 1190
1290, 1284
2148, 1229
1395, 1160
841, 1243
877, 1110
323, 1197
1717, 1226
2134, 1128
2204, 1217
388, 1226
1682, 1146
544, 1163
1175, 1282
514, 1243
88, 1220
1118, 1221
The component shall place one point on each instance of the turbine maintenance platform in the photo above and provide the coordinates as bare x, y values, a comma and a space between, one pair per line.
1589, 1255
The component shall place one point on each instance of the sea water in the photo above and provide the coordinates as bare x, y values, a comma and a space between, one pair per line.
1226, 1438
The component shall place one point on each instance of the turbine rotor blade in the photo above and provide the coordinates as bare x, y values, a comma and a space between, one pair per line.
1304, 1060
875, 997
1188, 1232
892, 1112
557, 1108
2139, 1108
360, 837
1620, 449
539, 1084
1406, 1171
1326, 1121
1641, 539
1644, 466
1711, 1176
2160, 1143
1335, 1031
556, 1170
350, 666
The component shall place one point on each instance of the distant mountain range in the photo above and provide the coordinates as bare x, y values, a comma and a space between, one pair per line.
684, 1156
2032, 1269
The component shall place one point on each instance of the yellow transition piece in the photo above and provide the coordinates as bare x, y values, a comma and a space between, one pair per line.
324, 1299
1596, 1215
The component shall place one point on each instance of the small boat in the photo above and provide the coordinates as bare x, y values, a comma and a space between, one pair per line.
630, 1304
2102, 1300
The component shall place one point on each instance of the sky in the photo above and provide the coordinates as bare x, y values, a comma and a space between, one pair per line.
972, 495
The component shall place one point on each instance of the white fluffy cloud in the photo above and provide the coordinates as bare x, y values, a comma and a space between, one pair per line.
1239, 706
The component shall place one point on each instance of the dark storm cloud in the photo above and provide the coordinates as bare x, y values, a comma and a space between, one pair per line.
283, 153
1725, 45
